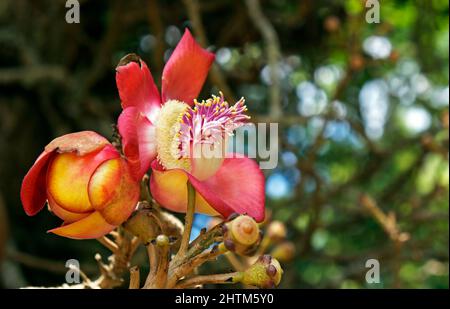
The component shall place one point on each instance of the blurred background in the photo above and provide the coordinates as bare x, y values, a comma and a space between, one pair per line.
363, 113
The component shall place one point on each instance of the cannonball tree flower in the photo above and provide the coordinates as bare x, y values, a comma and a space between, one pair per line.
167, 132
86, 183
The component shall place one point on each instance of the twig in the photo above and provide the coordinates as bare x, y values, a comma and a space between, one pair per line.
217, 78
163, 267
153, 261
232, 258
108, 243
388, 222
208, 279
29, 260
273, 54
155, 21
134, 277
178, 271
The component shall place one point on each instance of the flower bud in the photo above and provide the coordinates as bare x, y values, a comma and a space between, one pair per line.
241, 235
86, 183
162, 240
284, 252
276, 231
266, 272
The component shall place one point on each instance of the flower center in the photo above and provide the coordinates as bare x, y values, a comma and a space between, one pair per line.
195, 139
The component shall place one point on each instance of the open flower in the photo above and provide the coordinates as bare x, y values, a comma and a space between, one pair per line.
86, 183
183, 139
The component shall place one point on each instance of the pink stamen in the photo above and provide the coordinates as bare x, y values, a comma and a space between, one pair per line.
208, 122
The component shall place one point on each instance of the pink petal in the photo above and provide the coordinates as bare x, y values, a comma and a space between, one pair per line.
136, 86
238, 186
138, 140
185, 72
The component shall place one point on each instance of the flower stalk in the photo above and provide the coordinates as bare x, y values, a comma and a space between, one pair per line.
189, 219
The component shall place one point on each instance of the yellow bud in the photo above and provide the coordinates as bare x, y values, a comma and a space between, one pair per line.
284, 252
266, 272
276, 231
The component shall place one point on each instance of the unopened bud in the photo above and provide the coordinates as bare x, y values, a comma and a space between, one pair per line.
162, 240
284, 252
241, 235
276, 231
266, 272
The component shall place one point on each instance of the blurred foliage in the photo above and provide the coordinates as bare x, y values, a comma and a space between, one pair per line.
365, 113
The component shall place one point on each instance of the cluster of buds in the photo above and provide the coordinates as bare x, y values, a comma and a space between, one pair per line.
242, 236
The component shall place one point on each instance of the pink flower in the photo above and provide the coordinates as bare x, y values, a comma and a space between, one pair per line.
173, 133
86, 183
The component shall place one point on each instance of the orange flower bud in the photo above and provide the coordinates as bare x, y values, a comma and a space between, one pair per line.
86, 183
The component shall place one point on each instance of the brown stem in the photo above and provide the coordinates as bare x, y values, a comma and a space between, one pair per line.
108, 243
234, 261
178, 271
273, 53
134, 277
216, 76
209, 279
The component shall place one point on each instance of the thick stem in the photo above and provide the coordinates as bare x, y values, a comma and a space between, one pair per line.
153, 261
163, 268
134, 277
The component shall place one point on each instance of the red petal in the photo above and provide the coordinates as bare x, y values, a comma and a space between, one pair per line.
238, 186
185, 72
34, 192
138, 140
136, 86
